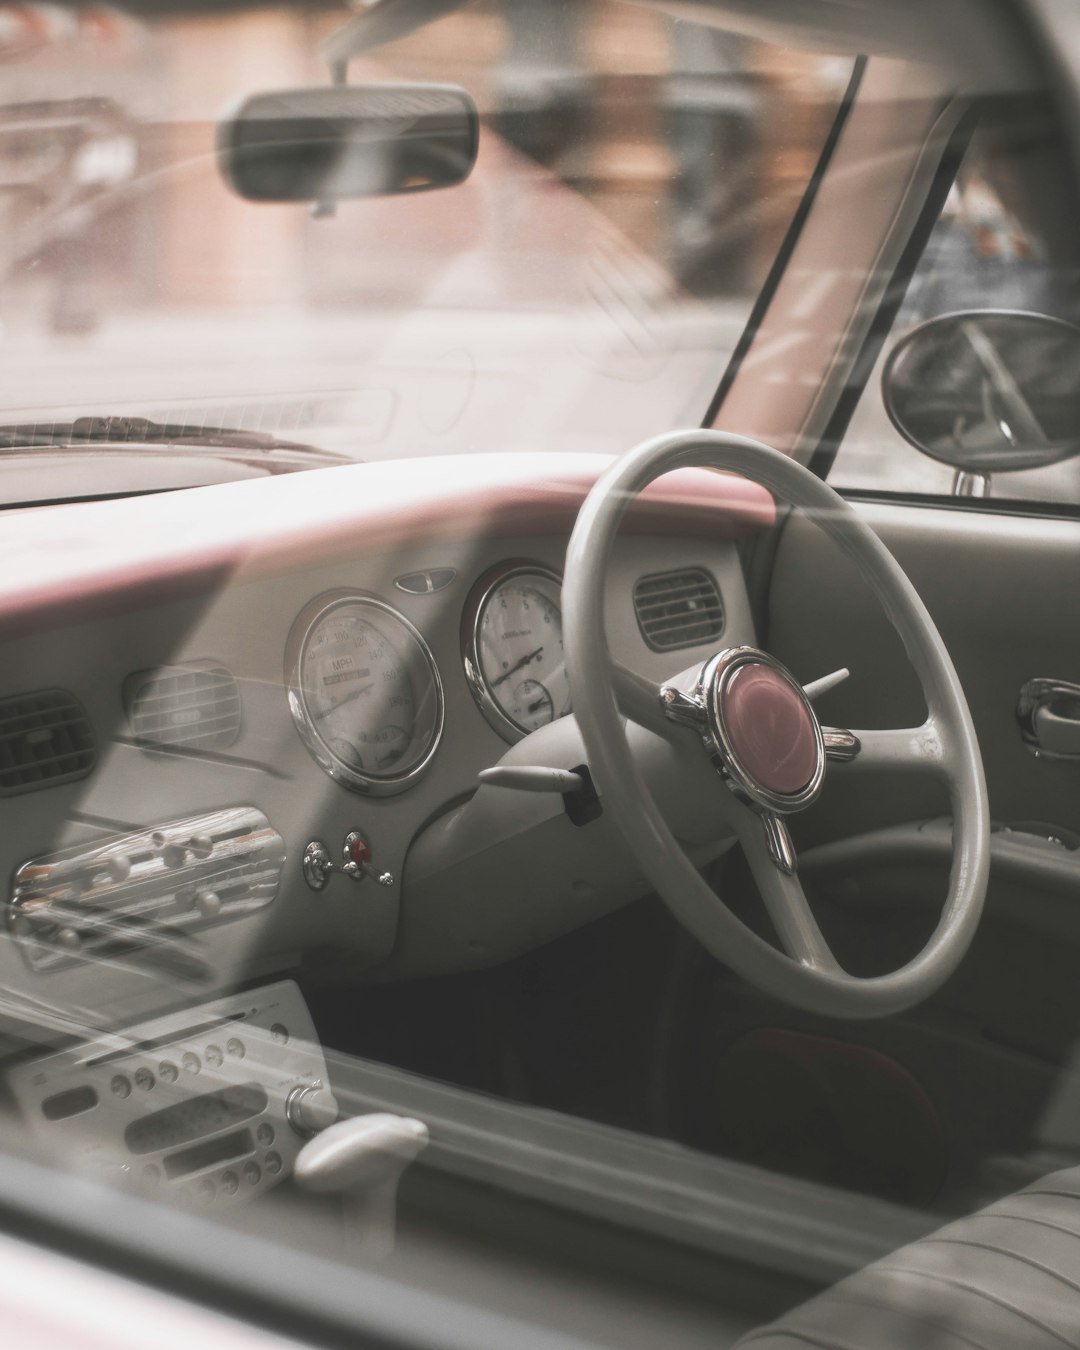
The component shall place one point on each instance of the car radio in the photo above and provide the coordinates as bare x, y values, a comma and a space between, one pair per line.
215, 1102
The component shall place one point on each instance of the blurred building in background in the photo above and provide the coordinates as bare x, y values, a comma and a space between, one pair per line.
690, 142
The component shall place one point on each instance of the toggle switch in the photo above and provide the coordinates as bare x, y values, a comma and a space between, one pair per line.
317, 865
357, 861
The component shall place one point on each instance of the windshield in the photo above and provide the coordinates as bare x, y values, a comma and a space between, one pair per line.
239, 734
583, 289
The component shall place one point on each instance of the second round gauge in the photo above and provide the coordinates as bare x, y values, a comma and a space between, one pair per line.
514, 651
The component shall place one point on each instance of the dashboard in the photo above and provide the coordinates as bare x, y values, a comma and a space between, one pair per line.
245, 723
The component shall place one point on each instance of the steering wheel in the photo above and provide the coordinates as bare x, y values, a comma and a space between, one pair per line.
747, 712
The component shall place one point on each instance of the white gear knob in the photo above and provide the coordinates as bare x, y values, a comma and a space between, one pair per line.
363, 1160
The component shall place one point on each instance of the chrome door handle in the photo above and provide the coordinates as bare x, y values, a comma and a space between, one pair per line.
1048, 713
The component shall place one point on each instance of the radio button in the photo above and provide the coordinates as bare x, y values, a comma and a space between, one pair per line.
120, 1086
265, 1133
252, 1173
230, 1183
168, 1072
190, 1063
213, 1056
235, 1048
279, 1034
144, 1079
273, 1163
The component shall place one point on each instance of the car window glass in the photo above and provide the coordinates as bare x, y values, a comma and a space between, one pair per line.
1003, 242
581, 290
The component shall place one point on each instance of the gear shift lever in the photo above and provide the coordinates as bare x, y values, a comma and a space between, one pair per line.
362, 1159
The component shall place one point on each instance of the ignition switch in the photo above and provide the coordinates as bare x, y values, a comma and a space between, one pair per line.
357, 861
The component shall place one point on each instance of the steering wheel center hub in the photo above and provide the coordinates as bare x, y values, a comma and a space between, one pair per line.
770, 728
763, 731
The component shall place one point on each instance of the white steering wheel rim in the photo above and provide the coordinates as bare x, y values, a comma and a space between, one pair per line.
811, 980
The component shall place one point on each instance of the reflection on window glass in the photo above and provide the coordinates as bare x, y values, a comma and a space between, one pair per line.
582, 290
1004, 241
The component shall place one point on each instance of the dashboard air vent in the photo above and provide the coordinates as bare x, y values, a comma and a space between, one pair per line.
45, 739
183, 707
678, 609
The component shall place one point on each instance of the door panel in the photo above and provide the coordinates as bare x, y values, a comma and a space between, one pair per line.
1005, 594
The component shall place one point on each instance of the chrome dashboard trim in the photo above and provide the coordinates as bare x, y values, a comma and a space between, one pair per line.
135, 895
484, 588
369, 784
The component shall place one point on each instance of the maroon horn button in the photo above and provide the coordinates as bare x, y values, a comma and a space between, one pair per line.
770, 728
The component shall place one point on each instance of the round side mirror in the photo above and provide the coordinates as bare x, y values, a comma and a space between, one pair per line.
987, 391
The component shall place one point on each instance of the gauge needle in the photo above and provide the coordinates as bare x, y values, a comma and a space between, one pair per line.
515, 668
349, 698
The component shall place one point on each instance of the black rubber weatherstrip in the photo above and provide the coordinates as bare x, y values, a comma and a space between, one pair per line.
987, 506
821, 461
787, 248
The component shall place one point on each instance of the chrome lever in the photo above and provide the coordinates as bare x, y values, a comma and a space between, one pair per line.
1048, 714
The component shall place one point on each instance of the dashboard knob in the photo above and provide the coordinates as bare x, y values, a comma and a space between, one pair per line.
208, 903
311, 1109
69, 939
118, 867
174, 854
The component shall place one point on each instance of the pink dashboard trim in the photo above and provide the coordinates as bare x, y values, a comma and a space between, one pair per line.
69, 563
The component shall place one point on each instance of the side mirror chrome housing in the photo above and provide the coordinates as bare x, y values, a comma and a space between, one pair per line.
987, 391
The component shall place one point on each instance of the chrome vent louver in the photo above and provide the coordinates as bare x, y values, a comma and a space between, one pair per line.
678, 609
45, 739
195, 707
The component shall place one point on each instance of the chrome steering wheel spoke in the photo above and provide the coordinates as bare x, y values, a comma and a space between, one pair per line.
841, 747
779, 842
687, 710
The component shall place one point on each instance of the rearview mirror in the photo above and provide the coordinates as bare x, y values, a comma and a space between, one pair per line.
344, 141
987, 391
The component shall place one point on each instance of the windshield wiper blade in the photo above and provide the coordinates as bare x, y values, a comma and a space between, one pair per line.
141, 431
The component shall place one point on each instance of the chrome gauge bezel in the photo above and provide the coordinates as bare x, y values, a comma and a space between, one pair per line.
305, 623
473, 613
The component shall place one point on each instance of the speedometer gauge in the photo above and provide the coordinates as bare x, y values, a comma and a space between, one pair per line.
364, 692
513, 648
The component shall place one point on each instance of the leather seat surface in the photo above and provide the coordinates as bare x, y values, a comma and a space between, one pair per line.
1006, 1278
